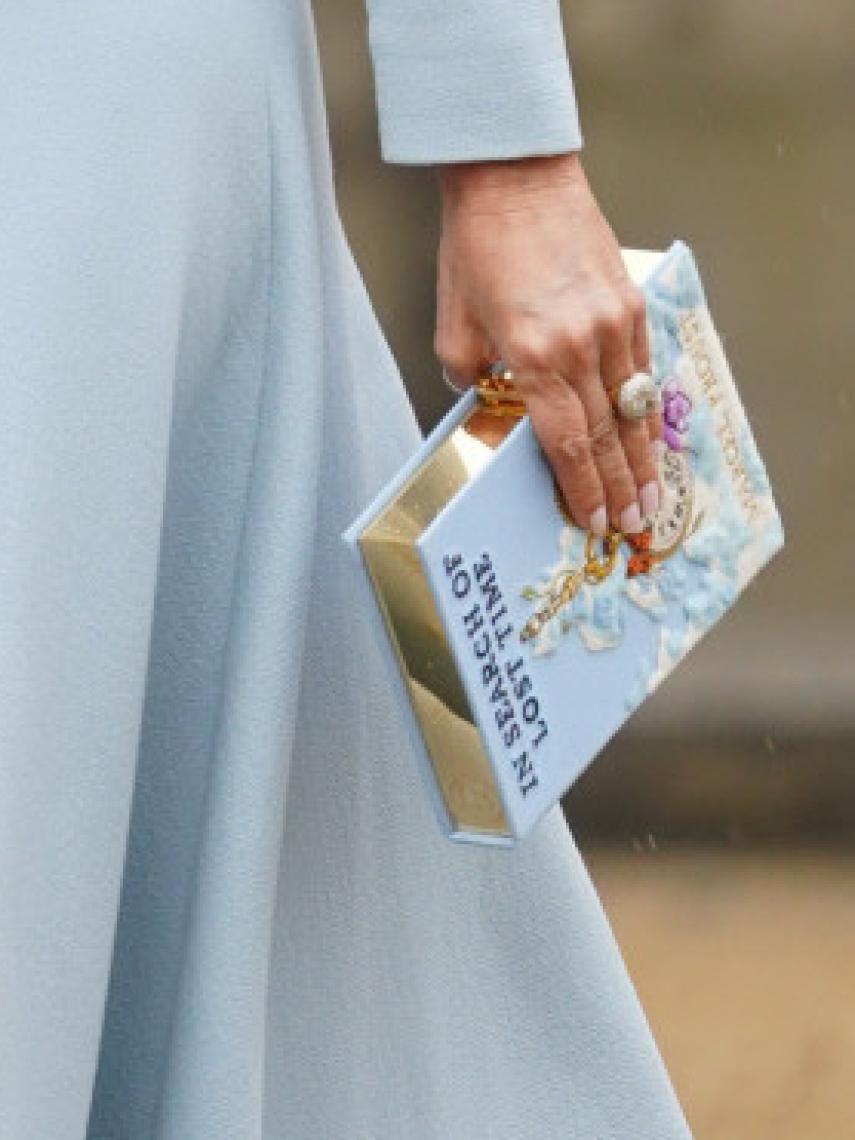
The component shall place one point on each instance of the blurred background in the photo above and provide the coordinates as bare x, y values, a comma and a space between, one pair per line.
719, 826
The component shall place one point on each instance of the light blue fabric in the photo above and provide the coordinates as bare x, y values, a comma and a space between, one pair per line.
458, 80
226, 910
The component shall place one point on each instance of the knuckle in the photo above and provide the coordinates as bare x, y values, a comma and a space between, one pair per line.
574, 448
531, 352
613, 320
451, 356
581, 341
634, 300
605, 437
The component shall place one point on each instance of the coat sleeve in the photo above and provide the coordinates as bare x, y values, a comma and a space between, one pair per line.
461, 80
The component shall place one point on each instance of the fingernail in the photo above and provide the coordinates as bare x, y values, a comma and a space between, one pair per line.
649, 498
599, 521
630, 519
659, 447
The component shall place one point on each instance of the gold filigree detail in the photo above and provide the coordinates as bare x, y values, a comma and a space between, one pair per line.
597, 567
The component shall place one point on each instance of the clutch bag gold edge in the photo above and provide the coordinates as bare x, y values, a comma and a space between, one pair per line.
464, 775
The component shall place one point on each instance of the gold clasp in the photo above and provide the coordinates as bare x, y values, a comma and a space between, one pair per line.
598, 566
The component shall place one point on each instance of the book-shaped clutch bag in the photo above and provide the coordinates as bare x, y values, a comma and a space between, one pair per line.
524, 642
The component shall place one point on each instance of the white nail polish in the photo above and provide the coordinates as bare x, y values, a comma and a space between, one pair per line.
630, 519
649, 498
599, 521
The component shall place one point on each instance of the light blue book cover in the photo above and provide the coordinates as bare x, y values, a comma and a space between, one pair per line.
555, 636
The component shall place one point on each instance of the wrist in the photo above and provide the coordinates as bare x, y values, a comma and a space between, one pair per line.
460, 181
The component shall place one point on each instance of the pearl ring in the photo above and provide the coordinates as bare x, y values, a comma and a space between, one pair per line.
636, 397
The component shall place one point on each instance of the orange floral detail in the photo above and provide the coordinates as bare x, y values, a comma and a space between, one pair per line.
640, 542
640, 561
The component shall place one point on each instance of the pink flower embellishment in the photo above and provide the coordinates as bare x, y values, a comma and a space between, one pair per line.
676, 406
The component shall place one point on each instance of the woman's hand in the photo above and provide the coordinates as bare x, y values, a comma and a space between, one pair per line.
529, 271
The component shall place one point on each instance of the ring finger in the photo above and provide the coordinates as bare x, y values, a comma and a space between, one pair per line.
642, 362
620, 357
609, 454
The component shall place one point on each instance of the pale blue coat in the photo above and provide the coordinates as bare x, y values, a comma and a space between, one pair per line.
226, 909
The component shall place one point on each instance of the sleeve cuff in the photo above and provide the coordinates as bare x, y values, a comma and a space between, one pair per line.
467, 80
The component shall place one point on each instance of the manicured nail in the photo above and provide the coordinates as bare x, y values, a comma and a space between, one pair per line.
649, 498
599, 521
630, 519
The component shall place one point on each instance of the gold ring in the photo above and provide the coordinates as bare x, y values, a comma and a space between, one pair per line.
602, 428
596, 567
498, 394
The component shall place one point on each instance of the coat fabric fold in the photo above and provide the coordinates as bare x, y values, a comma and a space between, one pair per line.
226, 909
